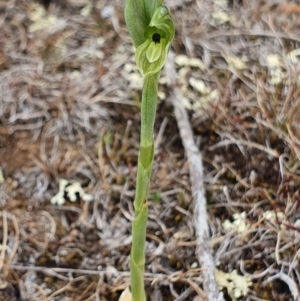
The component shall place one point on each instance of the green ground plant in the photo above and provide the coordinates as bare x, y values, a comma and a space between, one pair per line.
152, 30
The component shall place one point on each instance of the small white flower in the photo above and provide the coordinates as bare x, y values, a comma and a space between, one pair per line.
72, 190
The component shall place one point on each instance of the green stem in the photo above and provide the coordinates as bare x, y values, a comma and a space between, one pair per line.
148, 111
146, 154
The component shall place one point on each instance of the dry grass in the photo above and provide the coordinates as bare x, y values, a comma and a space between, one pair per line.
69, 109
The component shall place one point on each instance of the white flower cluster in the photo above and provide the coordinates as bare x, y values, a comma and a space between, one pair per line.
239, 223
71, 190
237, 286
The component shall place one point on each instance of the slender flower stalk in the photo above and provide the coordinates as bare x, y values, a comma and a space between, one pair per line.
152, 30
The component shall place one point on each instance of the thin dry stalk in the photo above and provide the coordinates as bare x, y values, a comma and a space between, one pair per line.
4, 240
251, 144
15, 247
67, 287
204, 255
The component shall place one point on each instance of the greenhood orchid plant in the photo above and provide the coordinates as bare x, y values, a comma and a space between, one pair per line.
152, 31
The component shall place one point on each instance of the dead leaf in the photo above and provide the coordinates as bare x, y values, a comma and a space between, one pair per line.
126, 295
289, 8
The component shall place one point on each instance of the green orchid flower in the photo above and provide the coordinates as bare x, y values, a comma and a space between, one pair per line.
152, 54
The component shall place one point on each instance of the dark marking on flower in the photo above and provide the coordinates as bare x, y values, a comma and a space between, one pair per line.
156, 38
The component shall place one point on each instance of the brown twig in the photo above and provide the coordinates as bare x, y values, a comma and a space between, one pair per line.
15, 247
4, 240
